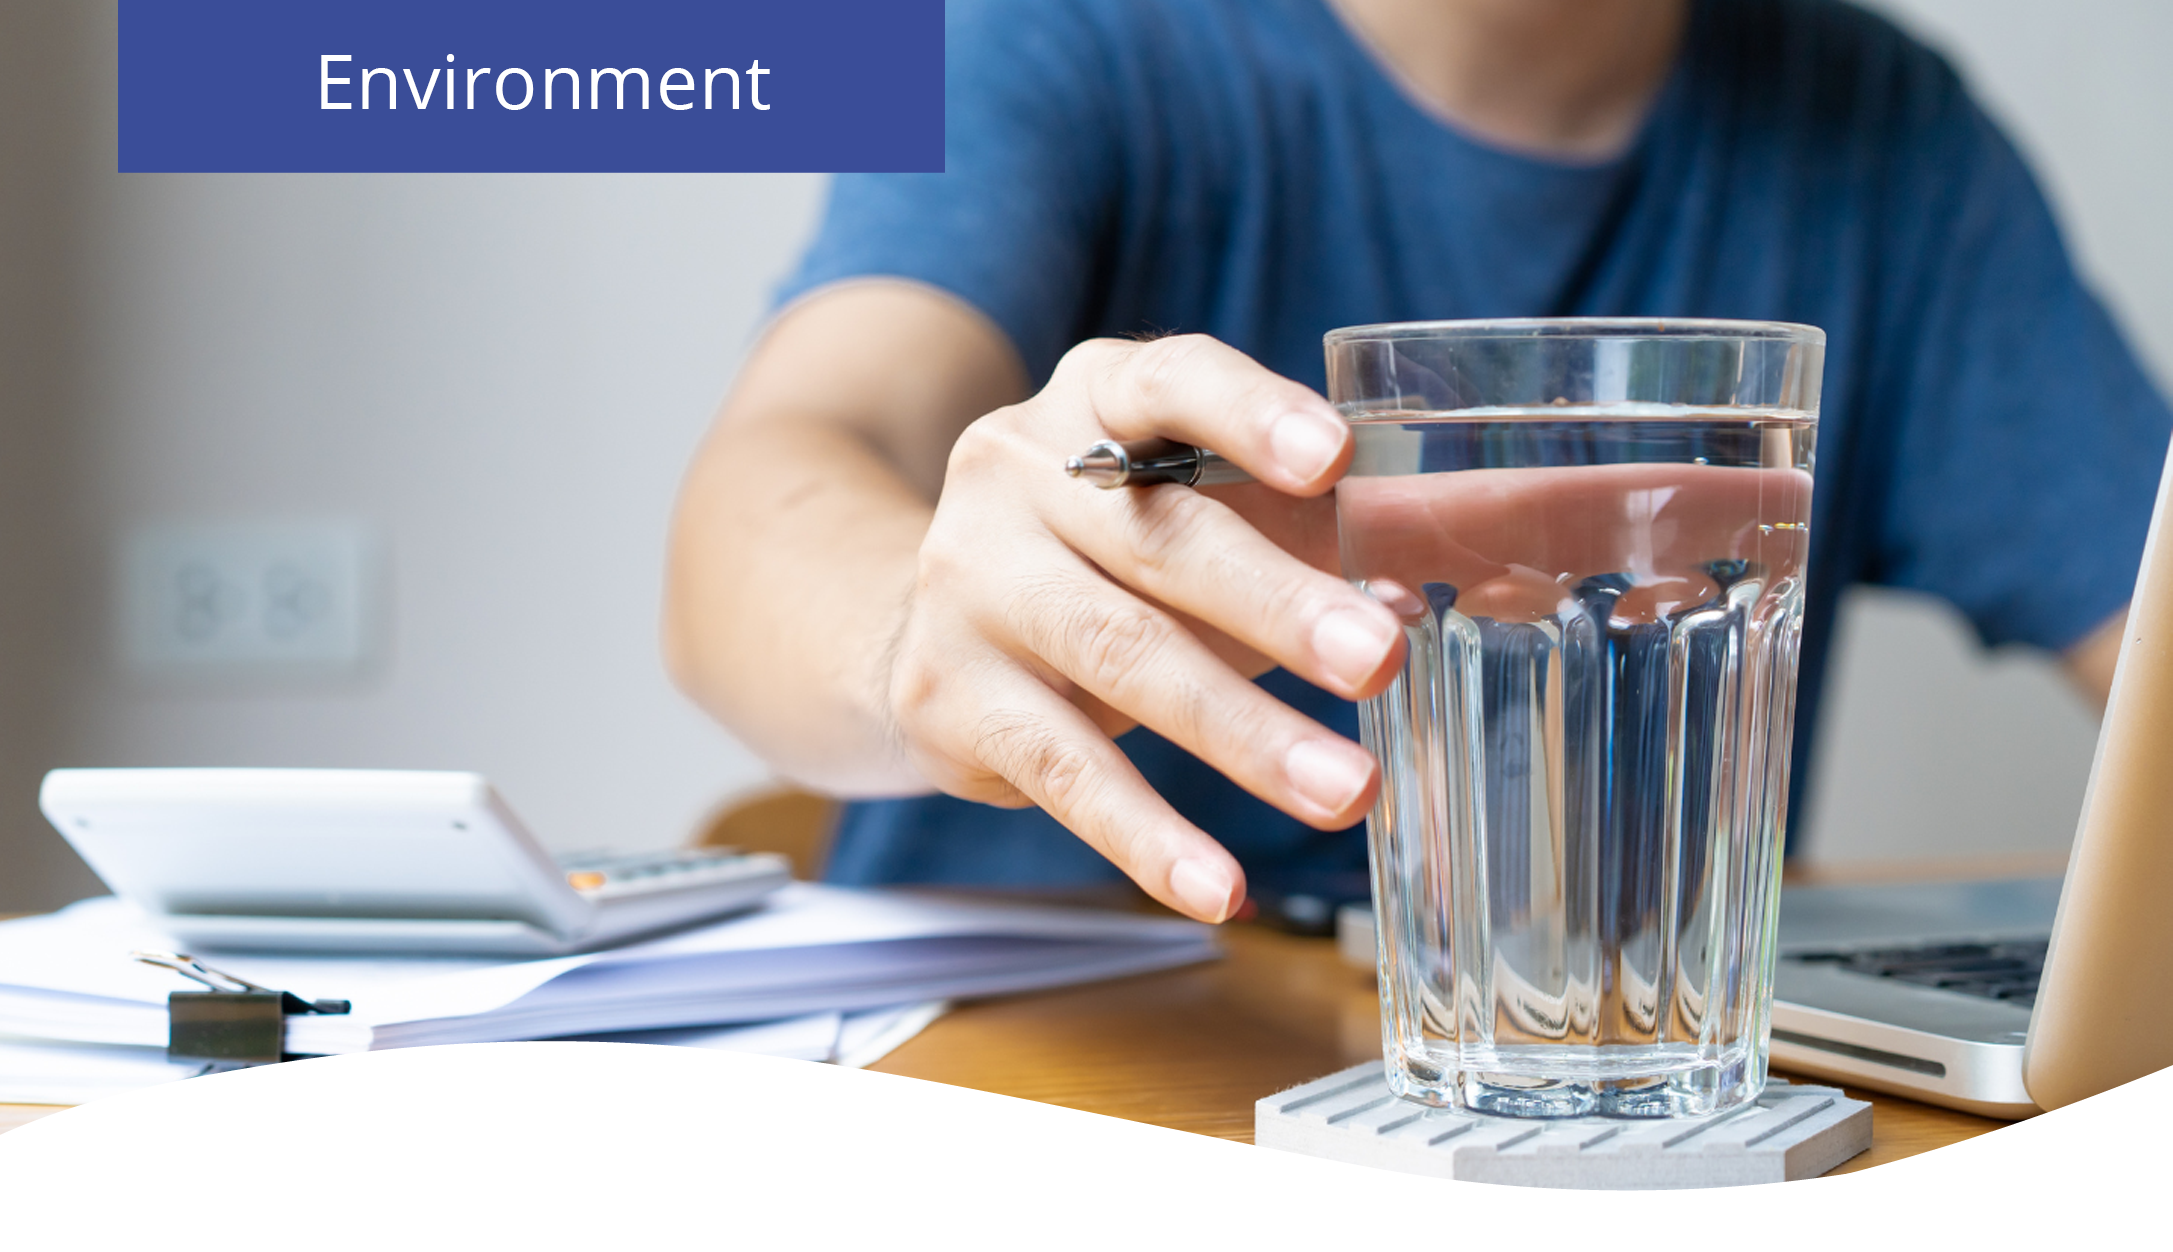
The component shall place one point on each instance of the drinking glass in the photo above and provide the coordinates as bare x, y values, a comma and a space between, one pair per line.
1594, 532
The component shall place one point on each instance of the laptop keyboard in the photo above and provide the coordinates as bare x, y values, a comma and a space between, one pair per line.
2006, 971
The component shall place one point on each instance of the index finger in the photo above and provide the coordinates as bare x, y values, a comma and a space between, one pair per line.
1203, 391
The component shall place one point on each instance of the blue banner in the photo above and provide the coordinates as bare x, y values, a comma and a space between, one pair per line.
821, 86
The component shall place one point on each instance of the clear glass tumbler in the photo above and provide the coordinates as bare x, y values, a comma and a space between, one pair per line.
1595, 533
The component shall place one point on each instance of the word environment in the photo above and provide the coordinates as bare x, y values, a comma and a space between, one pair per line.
515, 89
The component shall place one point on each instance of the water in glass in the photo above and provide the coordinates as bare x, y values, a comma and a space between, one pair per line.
1577, 846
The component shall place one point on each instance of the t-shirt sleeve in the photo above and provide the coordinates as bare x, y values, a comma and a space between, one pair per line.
1011, 225
2026, 453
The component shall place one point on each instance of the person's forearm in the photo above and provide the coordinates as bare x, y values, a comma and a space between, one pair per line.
793, 557
799, 526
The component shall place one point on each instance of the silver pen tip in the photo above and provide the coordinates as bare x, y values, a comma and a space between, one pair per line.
1102, 465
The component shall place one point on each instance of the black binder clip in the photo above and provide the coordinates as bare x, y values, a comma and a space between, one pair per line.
235, 1023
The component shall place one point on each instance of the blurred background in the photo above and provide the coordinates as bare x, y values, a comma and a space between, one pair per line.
434, 425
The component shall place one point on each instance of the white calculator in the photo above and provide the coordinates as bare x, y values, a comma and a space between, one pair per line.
374, 861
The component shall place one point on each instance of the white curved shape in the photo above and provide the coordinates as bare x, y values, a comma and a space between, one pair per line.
579, 1145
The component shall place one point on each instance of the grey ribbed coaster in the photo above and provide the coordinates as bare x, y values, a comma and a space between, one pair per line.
1791, 1132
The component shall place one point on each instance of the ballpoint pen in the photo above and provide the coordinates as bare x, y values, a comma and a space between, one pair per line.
1146, 462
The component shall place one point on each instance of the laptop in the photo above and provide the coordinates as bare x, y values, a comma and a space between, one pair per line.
374, 861
2008, 998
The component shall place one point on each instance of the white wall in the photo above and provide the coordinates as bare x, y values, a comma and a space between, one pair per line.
1930, 747
505, 374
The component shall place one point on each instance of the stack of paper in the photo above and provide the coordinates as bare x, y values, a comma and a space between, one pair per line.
835, 972
48, 1071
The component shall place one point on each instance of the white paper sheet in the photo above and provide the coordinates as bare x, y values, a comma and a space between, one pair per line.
855, 1040
812, 949
40, 1071
865, 1038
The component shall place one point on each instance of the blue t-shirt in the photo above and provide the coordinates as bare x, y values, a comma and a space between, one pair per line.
1245, 168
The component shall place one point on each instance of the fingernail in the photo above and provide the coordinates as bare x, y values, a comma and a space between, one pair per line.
1351, 644
1332, 774
1204, 888
1306, 443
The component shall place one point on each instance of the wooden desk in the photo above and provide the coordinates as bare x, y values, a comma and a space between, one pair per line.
1193, 1048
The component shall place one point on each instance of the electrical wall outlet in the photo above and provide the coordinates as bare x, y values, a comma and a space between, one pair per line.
275, 597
